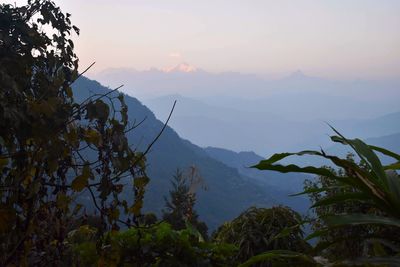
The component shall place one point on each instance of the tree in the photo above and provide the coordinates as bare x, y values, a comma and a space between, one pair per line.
348, 241
351, 237
179, 208
257, 230
45, 137
369, 184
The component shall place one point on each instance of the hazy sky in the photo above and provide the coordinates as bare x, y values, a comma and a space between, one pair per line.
340, 39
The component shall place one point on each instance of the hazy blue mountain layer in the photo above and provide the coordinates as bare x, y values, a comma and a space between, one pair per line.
228, 191
264, 131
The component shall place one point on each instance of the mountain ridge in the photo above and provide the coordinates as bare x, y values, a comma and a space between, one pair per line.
229, 192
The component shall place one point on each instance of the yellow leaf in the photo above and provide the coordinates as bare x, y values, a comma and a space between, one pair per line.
79, 183
141, 181
92, 136
3, 162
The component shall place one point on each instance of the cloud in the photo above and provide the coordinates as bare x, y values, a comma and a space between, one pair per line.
175, 55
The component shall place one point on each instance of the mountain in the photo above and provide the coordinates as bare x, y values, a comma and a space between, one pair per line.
228, 193
183, 67
390, 142
262, 115
291, 183
263, 131
281, 184
297, 96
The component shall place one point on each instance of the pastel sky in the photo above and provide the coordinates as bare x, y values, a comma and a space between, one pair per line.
329, 38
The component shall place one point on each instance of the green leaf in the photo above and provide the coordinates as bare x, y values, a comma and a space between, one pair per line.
293, 168
286, 231
92, 136
357, 219
378, 249
81, 181
376, 261
3, 162
97, 110
386, 152
318, 190
394, 166
317, 234
364, 152
141, 181
193, 231
136, 207
267, 164
279, 254
342, 197
68, 91
63, 201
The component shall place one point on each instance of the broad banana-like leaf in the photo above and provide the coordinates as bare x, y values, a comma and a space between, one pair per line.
341, 197
318, 190
366, 154
357, 219
374, 261
280, 254
386, 152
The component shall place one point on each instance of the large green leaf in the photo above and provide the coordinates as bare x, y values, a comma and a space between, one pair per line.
318, 190
280, 254
341, 197
374, 261
268, 164
357, 219
364, 152
385, 152
294, 168
394, 166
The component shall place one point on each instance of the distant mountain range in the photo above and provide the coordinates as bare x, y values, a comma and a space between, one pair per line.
262, 115
242, 162
391, 142
295, 97
230, 190
241, 112
262, 131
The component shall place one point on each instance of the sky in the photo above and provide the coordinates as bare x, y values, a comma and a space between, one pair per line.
344, 39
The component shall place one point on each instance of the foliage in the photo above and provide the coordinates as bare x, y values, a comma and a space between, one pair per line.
45, 136
157, 245
281, 258
370, 184
180, 206
349, 240
257, 230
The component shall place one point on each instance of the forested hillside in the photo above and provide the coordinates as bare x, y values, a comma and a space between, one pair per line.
228, 192
90, 177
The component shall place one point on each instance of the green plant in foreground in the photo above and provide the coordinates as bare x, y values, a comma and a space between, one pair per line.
179, 207
376, 185
156, 245
260, 229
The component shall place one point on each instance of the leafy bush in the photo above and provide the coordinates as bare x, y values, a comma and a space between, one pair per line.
370, 184
157, 245
257, 230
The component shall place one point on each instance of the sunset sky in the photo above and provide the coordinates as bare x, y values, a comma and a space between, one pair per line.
344, 39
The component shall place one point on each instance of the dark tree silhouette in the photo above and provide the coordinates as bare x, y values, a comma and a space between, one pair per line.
179, 207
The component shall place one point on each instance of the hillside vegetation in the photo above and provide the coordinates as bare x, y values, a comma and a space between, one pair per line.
89, 177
